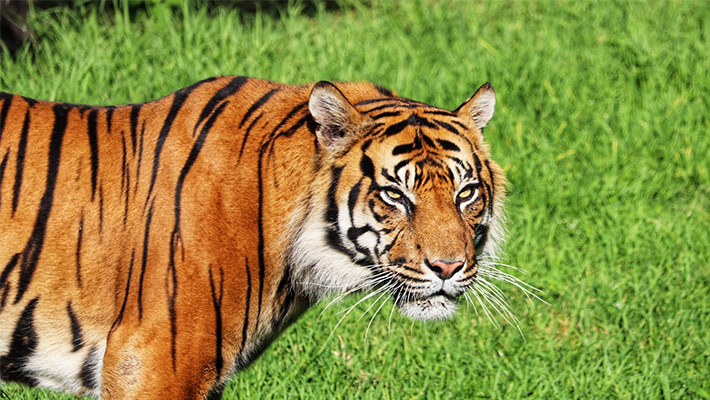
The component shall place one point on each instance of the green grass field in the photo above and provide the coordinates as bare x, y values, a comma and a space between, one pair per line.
603, 128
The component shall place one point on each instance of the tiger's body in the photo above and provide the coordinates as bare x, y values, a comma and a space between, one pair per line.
152, 250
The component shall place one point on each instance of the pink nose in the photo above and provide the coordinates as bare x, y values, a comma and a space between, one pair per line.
445, 270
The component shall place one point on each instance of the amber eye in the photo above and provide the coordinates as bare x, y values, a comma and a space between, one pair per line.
467, 193
396, 198
392, 194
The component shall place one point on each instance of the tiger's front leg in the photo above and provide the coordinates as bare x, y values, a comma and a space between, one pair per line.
139, 363
178, 343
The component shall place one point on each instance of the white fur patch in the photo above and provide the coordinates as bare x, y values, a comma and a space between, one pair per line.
318, 269
429, 309
56, 367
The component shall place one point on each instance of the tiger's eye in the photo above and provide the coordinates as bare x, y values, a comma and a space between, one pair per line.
465, 194
393, 195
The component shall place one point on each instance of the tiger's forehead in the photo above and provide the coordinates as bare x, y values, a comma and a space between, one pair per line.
422, 146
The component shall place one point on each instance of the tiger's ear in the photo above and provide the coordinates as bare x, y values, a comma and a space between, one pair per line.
479, 107
338, 120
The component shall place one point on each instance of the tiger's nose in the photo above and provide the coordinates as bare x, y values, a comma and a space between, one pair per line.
445, 269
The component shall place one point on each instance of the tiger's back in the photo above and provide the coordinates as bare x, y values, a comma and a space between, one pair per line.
169, 238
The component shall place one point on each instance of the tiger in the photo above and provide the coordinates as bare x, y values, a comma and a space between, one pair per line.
154, 250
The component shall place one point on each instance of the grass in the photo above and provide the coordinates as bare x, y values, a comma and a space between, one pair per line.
602, 127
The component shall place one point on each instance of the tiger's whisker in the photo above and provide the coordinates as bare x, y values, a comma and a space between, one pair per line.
519, 284
363, 285
375, 314
384, 292
484, 307
503, 311
350, 309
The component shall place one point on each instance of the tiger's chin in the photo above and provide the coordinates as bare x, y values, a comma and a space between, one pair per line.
434, 308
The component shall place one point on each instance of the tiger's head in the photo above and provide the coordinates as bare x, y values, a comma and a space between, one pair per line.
406, 201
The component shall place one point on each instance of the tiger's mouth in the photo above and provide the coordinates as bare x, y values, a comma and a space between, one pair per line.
437, 300
435, 307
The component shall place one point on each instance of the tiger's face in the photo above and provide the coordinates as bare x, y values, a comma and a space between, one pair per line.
412, 203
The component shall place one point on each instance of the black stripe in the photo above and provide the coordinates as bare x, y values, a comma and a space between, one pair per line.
290, 131
125, 179
394, 241
370, 101
480, 237
245, 327
217, 303
367, 167
354, 233
489, 189
405, 148
4, 284
119, 318
78, 248
378, 217
144, 261
427, 140
94, 147
246, 135
394, 179
275, 132
462, 126
19, 166
23, 345
178, 101
447, 145
387, 114
260, 218
176, 237
439, 112
384, 91
408, 279
89, 368
109, 119
232, 87
382, 107
401, 102
140, 158
135, 112
3, 165
101, 209
262, 152
7, 102
77, 338
477, 164
124, 166
416, 120
260, 224
353, 197
257, 105
30, 254
448, 127
192, 157
396, 128
331, 215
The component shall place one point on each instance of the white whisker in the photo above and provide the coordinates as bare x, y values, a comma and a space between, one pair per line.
349, 310
484, 308
375, 314
377, 279
384, 292
500, 306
